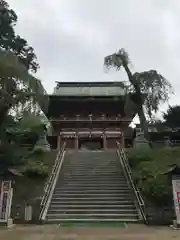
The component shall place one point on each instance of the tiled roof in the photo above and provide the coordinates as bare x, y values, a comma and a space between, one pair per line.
90, 89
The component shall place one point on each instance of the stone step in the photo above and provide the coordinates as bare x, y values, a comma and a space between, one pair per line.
97, 194
91, 163
95, 166
85, 166
90, 181
91, 184
89, 202
79, 186
98, 174
91, 191
93, 181
92, 220
91, 211
93, 206
95, 171
87, 183
93, 215
88, 157
91, 187
92, 198
93, 177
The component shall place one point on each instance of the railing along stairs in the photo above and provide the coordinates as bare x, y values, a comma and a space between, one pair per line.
128, 174
51, 183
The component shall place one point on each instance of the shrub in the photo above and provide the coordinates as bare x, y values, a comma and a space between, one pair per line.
136, 156
36, 169
38, 164
158, 190
148, 168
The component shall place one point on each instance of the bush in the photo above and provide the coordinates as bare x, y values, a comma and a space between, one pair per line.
39, 164
36, 169
11, 156
148, 168
136, 156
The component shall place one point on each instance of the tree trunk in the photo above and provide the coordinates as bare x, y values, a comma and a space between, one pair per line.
143, 123
139, 102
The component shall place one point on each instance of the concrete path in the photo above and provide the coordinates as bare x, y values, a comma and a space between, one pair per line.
49, 232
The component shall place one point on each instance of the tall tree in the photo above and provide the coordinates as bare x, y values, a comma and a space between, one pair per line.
172, 117
149, 87
17, 85
10, 41
17, 60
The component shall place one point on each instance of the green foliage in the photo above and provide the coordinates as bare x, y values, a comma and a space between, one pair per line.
14, 155
17, 86
10, 41
148, 173
38, 164
11, 155
148, 83
158, 190
172, 117
36, 169
151, 83
136, 156
20, 91
32, 123
156, 88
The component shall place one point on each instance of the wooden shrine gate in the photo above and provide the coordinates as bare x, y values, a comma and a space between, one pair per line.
74, 138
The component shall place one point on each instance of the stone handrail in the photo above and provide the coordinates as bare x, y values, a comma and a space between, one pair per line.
128, 174
50, 185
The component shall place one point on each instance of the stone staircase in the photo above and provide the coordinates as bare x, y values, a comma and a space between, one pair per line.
91, 187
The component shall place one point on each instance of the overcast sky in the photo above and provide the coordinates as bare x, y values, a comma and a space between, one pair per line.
71, 37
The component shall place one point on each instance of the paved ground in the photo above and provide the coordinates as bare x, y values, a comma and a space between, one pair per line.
49, 232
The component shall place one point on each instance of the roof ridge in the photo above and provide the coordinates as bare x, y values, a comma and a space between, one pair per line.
88, 84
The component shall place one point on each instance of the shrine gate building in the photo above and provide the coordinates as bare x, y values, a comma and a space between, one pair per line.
89, 115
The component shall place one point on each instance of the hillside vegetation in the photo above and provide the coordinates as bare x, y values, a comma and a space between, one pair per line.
148, 170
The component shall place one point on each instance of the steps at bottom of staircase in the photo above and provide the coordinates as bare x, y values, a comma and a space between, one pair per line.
54, 218
55, 212
81, 220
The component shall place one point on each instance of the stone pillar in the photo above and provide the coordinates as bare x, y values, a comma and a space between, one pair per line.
122, 140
